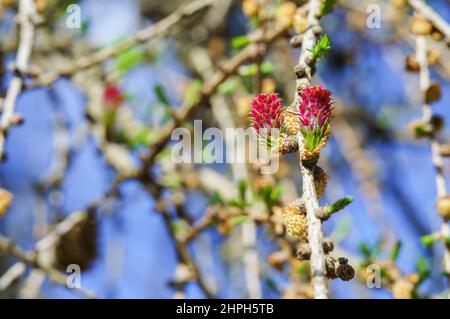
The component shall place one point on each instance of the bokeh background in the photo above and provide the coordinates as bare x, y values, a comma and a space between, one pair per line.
372, 156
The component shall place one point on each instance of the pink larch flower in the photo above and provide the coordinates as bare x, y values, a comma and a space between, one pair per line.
112, 95
267, 112
315, 108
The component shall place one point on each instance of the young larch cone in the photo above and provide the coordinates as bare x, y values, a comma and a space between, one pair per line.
266, 117
266, 112
315, 107
295, 222
112, 96
315, 112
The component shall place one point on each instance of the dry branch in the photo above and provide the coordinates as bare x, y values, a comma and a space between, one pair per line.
181, 247
31, 259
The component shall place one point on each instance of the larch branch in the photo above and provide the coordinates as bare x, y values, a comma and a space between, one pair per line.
27, 11
31, 259
315, 235
425, 10
229, 68
427, 112
155, 30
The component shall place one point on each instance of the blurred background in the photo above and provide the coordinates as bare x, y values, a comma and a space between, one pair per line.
95, 128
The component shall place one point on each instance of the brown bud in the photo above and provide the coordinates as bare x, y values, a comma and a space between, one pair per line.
303, 251
285, 13
322, 213
296, 41
443, 207
344, 271
183, 274
299, 71
420, 25
17, 119
3, 157
320, 181
433, 93
433, 56
330, 265
41, 5
327, 245
278, 259
437, 35
250, 8
300, 22
411, 64
445, 150
225, 227
437, 122
79, 244
310, 159
317, 29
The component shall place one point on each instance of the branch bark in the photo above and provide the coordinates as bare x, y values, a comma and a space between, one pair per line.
304, 70
421, 7
427, 113
27, 11
31, 259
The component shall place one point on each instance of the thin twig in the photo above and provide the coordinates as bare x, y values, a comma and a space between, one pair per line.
180, 245
27, 11
427, 113
31, 259
155, 30
422, 8
248, 53
224, 117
